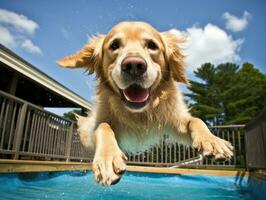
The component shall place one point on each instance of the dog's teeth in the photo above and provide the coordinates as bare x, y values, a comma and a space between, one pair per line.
128, 99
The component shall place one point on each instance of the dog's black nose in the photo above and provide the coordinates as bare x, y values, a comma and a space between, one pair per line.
134, 65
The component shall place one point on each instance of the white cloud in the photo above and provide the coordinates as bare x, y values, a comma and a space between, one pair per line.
208, 44
16, 31
30, 47
6, 37
234, 23
19, 22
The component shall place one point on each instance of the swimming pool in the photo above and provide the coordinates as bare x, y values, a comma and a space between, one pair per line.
134, 185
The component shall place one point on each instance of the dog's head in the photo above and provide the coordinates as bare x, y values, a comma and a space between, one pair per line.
133, 58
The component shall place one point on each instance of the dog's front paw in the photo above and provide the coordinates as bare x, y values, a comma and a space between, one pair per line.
108, 166
210, 145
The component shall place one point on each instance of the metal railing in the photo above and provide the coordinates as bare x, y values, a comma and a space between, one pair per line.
28, 131
168, 154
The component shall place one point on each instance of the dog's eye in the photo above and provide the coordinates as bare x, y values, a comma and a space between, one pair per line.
114, 45
151, 45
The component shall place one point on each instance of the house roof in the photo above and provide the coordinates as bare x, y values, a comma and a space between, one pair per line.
20, 65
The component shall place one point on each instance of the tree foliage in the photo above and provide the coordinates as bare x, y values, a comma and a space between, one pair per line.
71, 116
227, 93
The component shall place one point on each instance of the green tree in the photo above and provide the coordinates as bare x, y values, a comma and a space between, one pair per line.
204, 94
71, 116
248, 95
227, 94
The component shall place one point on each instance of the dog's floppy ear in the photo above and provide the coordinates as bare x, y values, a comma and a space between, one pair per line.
88, 57
175, 58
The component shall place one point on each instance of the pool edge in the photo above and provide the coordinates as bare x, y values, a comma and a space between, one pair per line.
20, 166
231, 172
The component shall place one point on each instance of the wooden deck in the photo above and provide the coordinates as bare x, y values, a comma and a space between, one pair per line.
18, 166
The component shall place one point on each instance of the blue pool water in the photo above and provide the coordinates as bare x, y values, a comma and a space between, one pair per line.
137, 186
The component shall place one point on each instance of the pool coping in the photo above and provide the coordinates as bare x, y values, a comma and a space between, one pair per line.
20, 166
216, 172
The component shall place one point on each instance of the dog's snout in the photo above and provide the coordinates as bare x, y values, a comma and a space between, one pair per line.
134, 65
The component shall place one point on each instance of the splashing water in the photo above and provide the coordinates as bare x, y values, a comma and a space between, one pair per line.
132, 186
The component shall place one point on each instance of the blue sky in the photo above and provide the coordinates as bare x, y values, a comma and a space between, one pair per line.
43, 31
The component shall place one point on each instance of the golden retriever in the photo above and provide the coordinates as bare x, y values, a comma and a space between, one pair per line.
137, 100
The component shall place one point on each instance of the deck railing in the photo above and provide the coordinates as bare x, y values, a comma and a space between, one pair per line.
169, 154
29, 132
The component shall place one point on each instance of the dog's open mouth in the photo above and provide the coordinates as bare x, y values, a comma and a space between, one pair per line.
135, 96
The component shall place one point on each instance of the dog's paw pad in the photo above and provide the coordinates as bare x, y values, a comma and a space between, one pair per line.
108, 169
213, 146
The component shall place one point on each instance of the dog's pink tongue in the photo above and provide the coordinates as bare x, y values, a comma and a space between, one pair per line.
136, 94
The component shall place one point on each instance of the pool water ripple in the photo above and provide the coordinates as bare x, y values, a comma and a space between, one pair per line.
133, 186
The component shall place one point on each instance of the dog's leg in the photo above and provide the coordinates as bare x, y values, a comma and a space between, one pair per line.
109, 160
85, 130
206, 142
